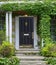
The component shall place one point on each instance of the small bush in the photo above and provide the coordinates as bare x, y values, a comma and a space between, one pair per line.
7, 49
49, 50
51, 61
2, 36
9, 61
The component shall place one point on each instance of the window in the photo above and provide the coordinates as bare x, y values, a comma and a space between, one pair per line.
53, 27
2, 27
2, 21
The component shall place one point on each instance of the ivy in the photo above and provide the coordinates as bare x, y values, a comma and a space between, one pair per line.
44, 28
31, 8
44, 25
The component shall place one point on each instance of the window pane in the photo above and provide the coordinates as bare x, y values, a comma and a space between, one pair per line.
2, 26
53, 27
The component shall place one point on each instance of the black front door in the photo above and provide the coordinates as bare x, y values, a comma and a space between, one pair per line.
26, 31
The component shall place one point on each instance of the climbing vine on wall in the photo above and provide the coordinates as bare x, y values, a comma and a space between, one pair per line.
44, 28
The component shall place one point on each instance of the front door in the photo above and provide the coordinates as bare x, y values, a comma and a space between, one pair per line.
26, 35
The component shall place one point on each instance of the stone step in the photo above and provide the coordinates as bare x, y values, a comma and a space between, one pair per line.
26, 51
28, 58
33, 63
27, 54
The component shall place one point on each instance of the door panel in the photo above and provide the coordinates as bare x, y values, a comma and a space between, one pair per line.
26, 30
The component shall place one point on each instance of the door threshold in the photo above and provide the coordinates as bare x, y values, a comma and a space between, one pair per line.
25, 46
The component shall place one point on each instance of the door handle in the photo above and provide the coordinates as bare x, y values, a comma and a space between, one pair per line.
26, 23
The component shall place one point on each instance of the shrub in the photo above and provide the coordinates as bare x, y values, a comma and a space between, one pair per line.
9, 61
7, 49
2, 36
51, 61
49, 50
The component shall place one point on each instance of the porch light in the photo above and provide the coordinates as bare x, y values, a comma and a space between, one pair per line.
26, 15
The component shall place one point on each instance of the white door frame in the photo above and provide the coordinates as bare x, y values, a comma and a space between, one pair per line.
17, 32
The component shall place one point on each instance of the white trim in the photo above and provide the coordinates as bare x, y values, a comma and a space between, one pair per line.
7, 26
10, 27
35, 34
17, 33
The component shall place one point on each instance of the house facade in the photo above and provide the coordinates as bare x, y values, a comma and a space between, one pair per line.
20, 28
22, 23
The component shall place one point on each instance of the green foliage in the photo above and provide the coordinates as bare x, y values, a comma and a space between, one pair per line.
7, 49
49, 50
9, 61
31, 8
51, 61
44, 26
